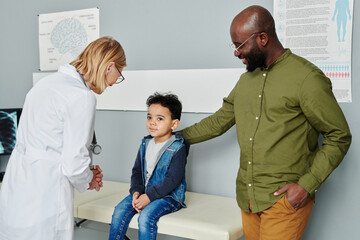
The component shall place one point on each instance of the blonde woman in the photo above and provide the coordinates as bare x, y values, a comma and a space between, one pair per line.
51, 156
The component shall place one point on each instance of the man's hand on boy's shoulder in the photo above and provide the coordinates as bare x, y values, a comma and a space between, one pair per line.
140, 202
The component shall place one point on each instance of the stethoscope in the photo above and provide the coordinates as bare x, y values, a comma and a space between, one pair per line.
94, 147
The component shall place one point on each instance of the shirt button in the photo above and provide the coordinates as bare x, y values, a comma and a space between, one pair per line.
249, 184
249, 163
250, 139
260, 96
256, 118
264, 74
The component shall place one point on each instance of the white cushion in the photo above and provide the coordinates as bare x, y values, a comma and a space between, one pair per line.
206, 216
109, 188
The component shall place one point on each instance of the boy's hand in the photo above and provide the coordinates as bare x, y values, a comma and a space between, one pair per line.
141, 202
135, 196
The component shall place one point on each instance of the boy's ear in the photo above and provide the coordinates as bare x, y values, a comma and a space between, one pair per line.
175, 124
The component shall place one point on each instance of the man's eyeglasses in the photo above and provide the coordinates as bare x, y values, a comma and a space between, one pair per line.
236, 49
121, 78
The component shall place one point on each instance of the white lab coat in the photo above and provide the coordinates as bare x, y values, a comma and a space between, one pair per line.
50, 159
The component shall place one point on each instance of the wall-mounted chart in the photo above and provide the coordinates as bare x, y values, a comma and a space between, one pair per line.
321, 32
64, 35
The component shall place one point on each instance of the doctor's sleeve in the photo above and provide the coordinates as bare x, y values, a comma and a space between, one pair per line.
79, 114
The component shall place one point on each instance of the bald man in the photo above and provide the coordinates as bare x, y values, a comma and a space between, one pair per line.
279, 106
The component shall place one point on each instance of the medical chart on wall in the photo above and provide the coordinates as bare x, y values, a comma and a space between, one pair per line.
64, 35
320, 31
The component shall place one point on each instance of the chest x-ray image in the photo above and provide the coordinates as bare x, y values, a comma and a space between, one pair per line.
8, 127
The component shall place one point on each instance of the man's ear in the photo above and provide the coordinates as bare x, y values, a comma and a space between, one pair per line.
263, 39
175, 124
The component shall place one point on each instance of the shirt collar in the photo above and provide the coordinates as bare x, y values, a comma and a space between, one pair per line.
279, 59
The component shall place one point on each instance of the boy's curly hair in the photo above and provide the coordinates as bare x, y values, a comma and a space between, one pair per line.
167, 100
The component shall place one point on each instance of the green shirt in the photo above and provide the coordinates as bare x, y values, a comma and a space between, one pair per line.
279, 112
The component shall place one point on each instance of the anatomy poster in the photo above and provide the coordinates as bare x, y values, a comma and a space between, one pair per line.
320, 31
64, 35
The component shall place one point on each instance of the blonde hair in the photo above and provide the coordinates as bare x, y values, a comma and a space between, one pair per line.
93, 61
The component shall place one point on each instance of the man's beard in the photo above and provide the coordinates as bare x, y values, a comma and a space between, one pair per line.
256, 58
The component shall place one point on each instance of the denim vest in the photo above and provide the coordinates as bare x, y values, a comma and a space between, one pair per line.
162, 163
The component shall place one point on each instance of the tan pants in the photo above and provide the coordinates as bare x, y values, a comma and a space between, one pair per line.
280, 221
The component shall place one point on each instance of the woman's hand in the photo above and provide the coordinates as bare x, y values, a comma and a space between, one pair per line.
96, 182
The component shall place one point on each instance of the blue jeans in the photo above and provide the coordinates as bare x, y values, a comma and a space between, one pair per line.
147, 220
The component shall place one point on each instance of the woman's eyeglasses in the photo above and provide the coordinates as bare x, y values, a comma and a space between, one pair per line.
121, 78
